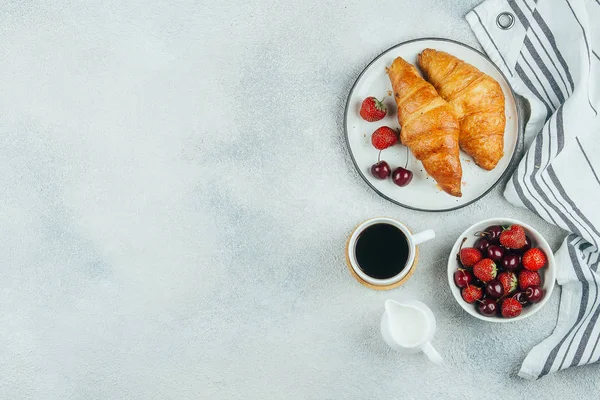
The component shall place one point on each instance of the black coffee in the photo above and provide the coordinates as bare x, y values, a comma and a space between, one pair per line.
381, 251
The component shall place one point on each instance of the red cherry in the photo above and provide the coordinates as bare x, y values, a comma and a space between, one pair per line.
488, 307
534, 294
495, 252
402, 176
492, 233
463, 278
494, 289
521, 297
510, 262
482, 245
381, 170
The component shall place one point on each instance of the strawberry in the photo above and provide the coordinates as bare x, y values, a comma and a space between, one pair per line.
471, 294
485, 270
509, 281
529, 278
534, 259
468, 256
511, 308
384, 137
372, 109
513, 237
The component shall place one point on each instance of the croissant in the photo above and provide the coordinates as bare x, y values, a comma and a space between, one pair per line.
429, 127
477, 100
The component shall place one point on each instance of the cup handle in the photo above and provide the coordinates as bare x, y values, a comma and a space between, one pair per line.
424, 236
432, 354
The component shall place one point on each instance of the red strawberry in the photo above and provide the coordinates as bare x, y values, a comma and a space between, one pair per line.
470, 256
471, 294
372, 109
511, 308
529, 278
509, 281
384, 137
534, 259
485, 270
513, 237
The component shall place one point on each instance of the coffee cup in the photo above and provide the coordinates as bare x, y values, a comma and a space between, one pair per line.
382, 252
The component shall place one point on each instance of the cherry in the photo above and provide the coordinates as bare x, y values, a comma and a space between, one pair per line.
510, 262
463, 278
402, 176
482, 245
494, 289
488, 307
534, 294
521, 297
381, 170
523, 249
495, 252
478, 283
492, 233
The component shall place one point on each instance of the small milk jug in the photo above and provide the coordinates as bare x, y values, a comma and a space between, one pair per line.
408, 327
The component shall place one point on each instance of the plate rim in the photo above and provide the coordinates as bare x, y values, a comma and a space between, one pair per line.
362, 175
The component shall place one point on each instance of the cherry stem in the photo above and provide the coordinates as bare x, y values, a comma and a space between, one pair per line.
460, 248
508, 295
406, 164
482, 233
378, 156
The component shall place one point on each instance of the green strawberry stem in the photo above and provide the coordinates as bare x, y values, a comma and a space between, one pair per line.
379, 104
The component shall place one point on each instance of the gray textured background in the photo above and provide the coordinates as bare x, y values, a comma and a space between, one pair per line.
176, 194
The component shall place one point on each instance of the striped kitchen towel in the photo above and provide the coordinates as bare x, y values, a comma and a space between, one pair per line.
550, 52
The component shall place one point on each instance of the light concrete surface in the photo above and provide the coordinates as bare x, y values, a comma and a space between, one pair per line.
175, 198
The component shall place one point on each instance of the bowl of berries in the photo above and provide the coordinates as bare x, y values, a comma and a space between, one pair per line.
501, 270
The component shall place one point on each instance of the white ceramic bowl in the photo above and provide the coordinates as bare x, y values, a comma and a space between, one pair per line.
548, 273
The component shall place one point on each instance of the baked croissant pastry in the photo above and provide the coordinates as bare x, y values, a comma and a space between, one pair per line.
429, 127
477, 100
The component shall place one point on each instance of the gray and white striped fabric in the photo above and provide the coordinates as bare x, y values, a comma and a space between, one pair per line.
551, 57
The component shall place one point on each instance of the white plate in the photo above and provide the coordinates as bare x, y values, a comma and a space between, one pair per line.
422, 193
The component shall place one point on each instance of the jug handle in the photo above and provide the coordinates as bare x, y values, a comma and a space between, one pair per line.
432, 354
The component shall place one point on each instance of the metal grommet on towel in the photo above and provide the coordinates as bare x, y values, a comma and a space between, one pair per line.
505, 20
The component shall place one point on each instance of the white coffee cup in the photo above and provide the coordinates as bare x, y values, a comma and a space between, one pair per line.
412, 239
